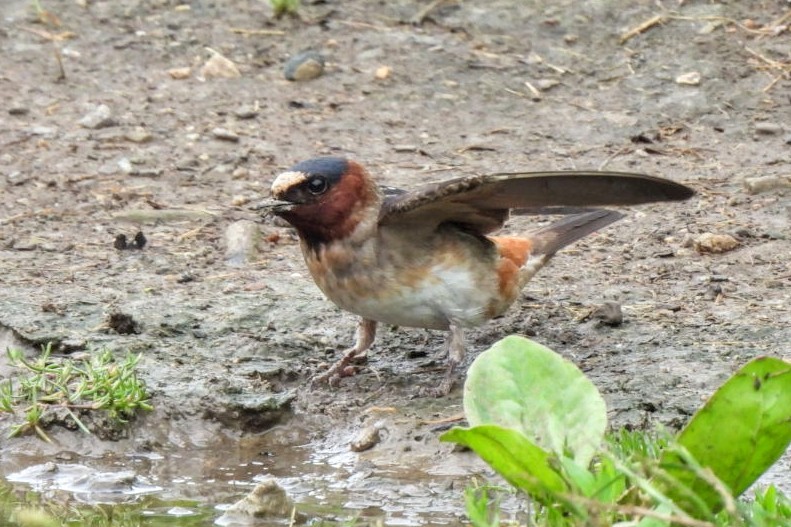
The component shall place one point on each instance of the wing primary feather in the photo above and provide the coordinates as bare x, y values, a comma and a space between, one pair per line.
463, 200
555, 236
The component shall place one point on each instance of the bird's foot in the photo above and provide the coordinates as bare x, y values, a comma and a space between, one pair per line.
455, 356
344, 367
366, 331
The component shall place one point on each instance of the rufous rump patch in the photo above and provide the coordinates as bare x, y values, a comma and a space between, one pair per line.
514, 253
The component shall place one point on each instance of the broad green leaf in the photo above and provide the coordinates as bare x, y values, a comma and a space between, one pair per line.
739, 433
522, 463
522, 385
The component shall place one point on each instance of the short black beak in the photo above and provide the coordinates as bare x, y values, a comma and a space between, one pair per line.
272, 206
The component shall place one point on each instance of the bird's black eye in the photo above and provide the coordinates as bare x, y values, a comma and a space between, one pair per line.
317, 185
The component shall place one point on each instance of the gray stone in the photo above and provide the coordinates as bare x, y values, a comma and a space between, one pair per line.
304, 66
99, 117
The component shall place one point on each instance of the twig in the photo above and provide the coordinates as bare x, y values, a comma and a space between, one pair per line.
620, 152
48, 35
774, 81
785, 69
645, 26
772, 63
782, 20
250, 32
59, 59
354, 23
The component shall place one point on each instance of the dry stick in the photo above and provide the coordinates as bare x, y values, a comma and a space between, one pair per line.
59, 59
365, 25
48, 35
780, 21
620, 152
645, 26
774, 81
248, 32
773, 64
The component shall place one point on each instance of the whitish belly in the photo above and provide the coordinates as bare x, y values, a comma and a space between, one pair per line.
443, 295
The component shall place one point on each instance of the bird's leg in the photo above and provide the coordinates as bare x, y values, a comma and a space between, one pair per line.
455, 343
364, 337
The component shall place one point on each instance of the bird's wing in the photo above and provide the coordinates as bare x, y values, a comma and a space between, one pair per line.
482, 203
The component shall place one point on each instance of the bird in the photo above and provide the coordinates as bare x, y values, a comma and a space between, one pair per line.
429, 258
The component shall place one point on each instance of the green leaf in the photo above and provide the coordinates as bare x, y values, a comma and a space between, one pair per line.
520, 384
739, 433
649, 521
522, 463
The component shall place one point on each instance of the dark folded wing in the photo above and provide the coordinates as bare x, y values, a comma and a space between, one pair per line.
482, 203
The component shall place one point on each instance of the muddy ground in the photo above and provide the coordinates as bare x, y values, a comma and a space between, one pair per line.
477, 87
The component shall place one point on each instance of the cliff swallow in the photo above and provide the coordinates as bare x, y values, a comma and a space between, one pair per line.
426, 258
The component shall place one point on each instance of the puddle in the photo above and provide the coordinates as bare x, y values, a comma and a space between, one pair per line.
327, 481
86, 484
421, 484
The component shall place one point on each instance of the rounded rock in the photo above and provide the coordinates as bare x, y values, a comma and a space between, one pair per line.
304, 66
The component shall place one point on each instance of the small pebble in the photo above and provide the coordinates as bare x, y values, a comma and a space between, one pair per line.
180, 73
368, 438
246, 112
788, 139
219, 67
609, 313
756, 185
147, 172
768, 128
405, 148
225, 135
546, 84
383, 72
713, 291
691, 78
43, 130
240, 173
304, 66
99, 117
138, 135
125, 165
266, 500
715, 243
238, 201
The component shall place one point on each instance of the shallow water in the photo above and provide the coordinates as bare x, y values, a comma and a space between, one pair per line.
327, 481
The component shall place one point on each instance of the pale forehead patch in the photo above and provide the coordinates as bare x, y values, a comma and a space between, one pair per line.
286, 180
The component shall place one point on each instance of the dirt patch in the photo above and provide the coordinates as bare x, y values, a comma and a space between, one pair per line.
478, 87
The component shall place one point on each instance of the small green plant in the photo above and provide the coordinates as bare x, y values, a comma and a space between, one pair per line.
539, 422
284, 7
97, 383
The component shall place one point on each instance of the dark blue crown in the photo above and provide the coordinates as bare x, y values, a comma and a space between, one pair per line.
331, 168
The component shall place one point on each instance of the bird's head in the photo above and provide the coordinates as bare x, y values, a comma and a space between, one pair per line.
325, 198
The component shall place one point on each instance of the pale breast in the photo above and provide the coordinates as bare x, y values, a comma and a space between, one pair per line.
454, 279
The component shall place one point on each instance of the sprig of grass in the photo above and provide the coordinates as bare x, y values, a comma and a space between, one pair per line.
284, 7
97, 383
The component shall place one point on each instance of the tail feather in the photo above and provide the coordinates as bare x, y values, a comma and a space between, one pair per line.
553, 237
